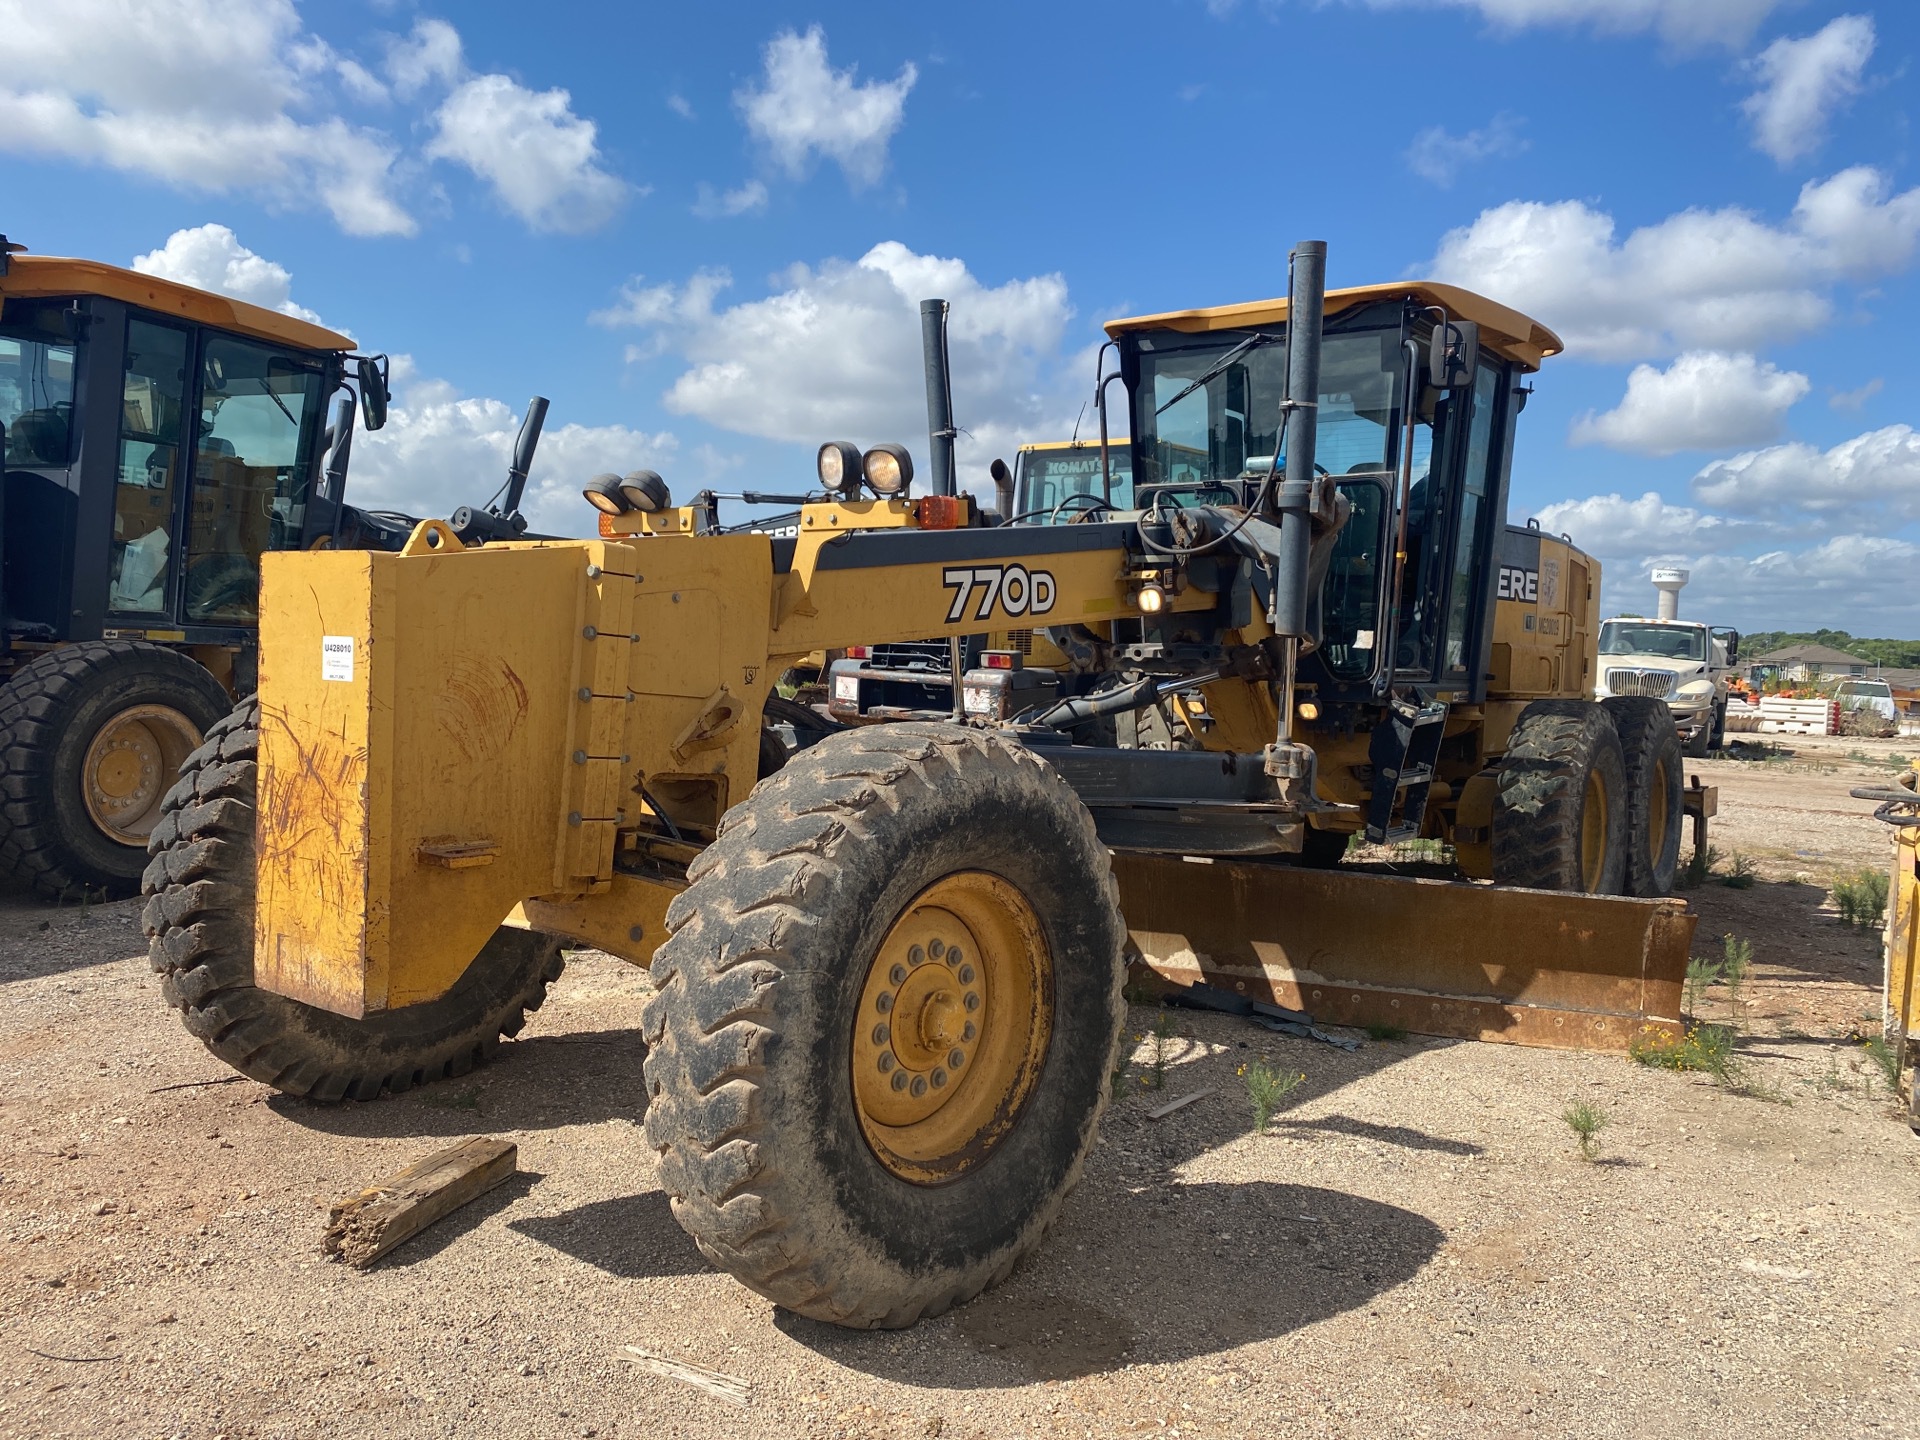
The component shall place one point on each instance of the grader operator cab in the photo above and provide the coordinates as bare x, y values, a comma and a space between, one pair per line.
888, 964
158, 441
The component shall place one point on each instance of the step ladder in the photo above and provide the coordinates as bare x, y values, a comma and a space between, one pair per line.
1403, 752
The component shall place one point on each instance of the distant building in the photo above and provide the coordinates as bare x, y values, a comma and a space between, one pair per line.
1801, 664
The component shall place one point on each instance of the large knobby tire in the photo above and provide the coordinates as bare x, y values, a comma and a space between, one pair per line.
199, 923
92, 736
1650, 748
810, 991
1560, 801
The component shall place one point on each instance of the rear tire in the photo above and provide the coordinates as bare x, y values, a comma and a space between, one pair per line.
1560, 802
199, 924
92, 737
1650, 746
1700, 741
785, 1107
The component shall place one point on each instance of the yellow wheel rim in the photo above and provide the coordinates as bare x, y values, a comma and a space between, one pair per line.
1657, 816
1593, 834
131, 764
955, 1014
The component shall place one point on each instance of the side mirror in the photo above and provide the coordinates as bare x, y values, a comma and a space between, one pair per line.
1456, 345
374, 392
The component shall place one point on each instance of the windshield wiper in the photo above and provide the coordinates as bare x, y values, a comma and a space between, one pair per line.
1220, 367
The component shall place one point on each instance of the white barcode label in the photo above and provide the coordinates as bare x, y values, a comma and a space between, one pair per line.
336, 657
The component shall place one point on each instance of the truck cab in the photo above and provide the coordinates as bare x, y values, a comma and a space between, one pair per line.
1683, 662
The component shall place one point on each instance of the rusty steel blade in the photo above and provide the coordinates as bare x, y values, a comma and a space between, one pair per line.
1528, 967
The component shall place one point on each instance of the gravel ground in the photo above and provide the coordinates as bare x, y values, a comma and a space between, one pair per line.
1416, 1249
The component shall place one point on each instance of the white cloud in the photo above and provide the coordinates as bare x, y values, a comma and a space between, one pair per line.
1857, 399
429, 57
1706, 279
1439, 157
439, 450
1803, 82
212, 258
749, 199
806, 108
835, 353
216, 96
1871, 476
542, 160
680, 106
1614, 526
1860, 583
1705, 400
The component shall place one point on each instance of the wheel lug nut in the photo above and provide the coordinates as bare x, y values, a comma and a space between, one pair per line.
884, 1003
954, 956
969, 1032
886, 1063
966, 974
939, 1078
917, 956
956, 1058
882, 1033
899, 1079
898, 974
919, 1086
937, 949
973, 1001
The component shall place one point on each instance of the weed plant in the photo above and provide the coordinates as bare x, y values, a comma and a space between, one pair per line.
1740, 873
1266, 1089
1586, 1120
1861, 898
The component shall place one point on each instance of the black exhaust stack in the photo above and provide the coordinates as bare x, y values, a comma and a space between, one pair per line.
940, 431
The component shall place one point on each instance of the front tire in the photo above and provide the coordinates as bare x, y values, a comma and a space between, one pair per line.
1560, 801
1650, 747
199, 924
853, 1119
92, 736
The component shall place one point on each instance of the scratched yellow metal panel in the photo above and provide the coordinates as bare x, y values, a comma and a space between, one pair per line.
318, 618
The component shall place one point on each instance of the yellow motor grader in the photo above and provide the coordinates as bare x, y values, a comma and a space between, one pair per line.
889, 958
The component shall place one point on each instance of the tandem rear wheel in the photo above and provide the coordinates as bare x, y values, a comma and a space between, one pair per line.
1560, 811
888, 946
199, 923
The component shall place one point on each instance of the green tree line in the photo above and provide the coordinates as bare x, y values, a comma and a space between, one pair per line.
1895, 654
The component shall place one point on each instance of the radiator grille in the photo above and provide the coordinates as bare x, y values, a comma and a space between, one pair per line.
1658, 684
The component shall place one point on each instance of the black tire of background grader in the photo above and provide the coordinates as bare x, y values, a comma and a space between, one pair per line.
1540, 798
199, 924
1701, 741
50, 712
1647, 740
748, 1068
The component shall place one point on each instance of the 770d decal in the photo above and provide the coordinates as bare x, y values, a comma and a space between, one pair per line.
1014, 588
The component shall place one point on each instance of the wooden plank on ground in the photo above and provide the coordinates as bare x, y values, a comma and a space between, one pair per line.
729, 1388
362, 1229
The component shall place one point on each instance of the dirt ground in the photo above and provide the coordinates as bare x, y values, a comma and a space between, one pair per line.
1416, 1249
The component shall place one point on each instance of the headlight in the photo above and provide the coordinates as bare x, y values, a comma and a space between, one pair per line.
1696, 688
646, 492
838, 465
888, 469
603, 493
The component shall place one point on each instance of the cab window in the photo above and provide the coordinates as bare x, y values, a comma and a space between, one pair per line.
36, 386
259, 416
152, 405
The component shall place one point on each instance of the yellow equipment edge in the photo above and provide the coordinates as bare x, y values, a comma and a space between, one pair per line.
37, 276
1504, 331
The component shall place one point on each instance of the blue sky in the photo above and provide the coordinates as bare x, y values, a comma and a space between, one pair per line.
702, 231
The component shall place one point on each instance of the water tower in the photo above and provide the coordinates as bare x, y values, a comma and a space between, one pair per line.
1670, 582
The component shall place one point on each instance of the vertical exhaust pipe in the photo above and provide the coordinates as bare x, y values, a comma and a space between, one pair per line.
940, 431
1306, 307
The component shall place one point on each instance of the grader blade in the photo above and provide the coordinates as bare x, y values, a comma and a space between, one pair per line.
1528, 967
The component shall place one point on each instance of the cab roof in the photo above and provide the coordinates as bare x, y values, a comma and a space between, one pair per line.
1506, 332
38, 276
1093, 444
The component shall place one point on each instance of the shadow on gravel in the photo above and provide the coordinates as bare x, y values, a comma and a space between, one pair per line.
634, 1237
1400, 1135
541, 1083
1238, 1263
38, 939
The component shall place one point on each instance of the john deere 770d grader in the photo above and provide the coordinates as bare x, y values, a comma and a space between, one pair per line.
888, 964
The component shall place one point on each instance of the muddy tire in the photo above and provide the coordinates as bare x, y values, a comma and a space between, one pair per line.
1650, 748
199, 924
1560, 801
899, 902
92, 736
